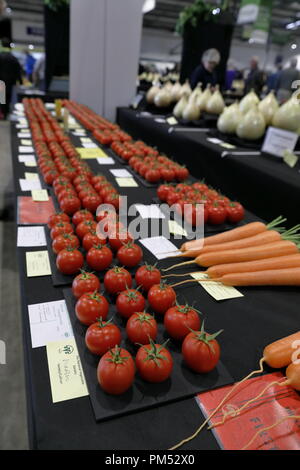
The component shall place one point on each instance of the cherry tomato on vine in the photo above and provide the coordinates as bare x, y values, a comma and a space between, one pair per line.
161, 297
201, 351
91, 306
84, 283
154, 362
140, 327
99, 257
65, 240
116, 371
146, 276
180, 319
69, 261
102, 336
117, 279
130, 301
130, 255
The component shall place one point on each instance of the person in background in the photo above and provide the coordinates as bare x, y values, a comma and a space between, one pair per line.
205, 72
256, 79
272, 80
38, 74
29, 64
231, 74
285, 81
10, 73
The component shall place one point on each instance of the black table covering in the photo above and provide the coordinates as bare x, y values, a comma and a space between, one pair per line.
265, 185
249, 323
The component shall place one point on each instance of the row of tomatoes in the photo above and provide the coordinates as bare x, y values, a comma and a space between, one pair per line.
153, 361
193, 200
143, 159
94, 237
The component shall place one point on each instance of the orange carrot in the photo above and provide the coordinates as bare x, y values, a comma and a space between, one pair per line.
274, 277
269, 250
280, 262
248, 230
269, 236
245, 231
279, 353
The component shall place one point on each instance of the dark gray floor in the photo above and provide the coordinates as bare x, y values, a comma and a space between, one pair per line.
13, 426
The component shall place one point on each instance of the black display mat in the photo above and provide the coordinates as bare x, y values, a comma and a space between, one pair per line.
183, 383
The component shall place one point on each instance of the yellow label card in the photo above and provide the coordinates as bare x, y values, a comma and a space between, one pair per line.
126, 182
216, 289
40, 195
37, 263
290, 158
65, 371
31, 176
172, 121
176, 229
26, 142
91, 153
86, 139
227, 146
30, 163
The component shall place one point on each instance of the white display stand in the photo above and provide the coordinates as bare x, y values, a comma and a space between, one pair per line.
105, 48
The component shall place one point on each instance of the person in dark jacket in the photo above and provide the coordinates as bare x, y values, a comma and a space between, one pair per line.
205, 72
256, 78
10, 73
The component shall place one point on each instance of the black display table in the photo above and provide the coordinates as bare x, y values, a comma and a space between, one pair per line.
249, 323
264, 185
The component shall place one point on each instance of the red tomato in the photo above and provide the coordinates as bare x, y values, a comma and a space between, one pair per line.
146, 276
130, 255
163, 191
84, 227
179, 321
201, 351
70, 204
153, 176
69, 261
91, 239
82, 215
60, 228
90, 307
140, 327
118, 239
65, 240
216, 214
116, 280
85, 282
91, 202
99, 257
181, 173
161, 297
130, 301
154, 362
56, 218
235, 212
116, 371
102, 336
167, 174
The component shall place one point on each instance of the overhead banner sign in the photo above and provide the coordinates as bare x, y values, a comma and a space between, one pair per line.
248, 11
262, 24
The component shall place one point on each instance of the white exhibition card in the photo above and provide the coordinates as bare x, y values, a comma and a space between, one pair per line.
160, 247
29, 185
121, 173
149, 212
26, 149
106, 161
49, 322
31, 236
26, 158
277, 141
